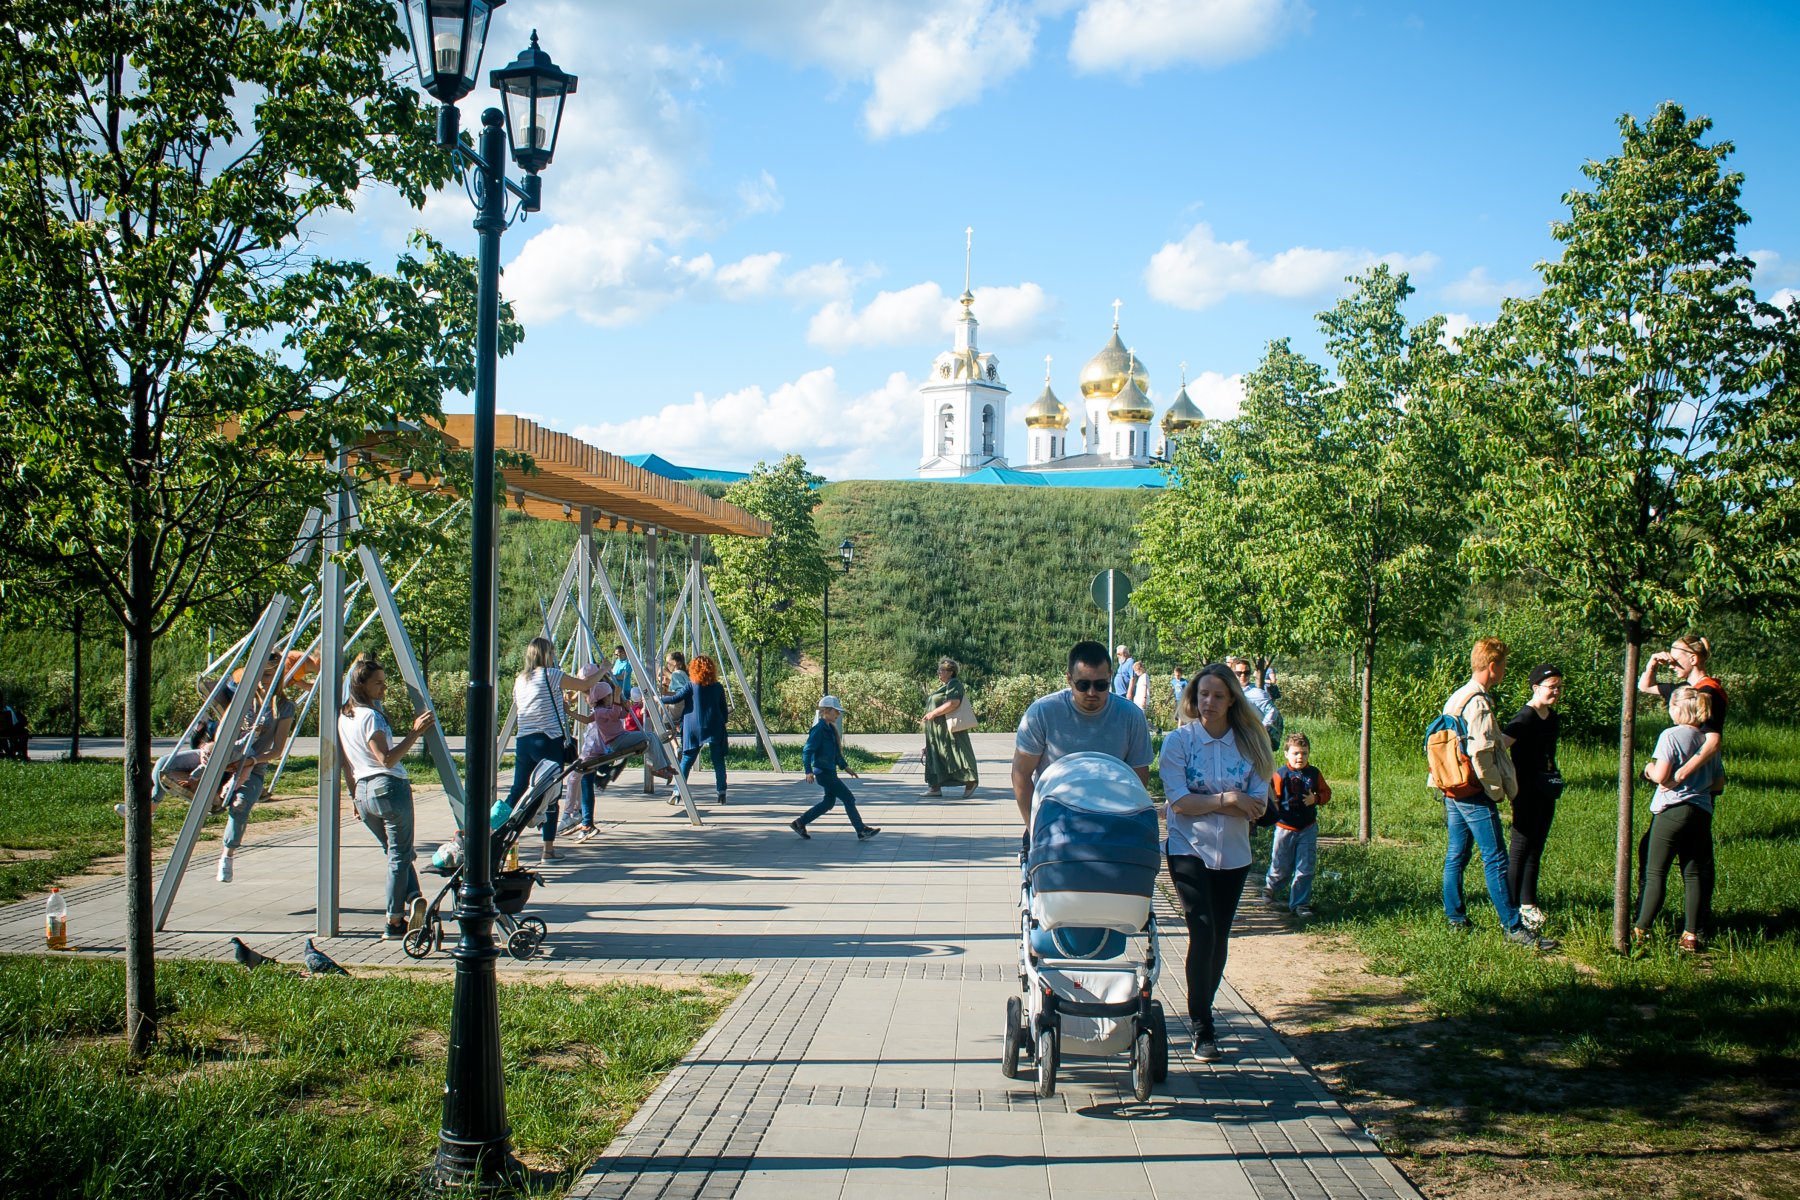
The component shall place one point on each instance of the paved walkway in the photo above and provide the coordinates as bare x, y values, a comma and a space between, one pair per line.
862, 1060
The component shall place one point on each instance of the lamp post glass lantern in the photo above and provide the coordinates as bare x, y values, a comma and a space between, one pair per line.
447, 37
474, 1142
846, 551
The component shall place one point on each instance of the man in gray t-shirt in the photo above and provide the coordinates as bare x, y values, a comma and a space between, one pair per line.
1086, 716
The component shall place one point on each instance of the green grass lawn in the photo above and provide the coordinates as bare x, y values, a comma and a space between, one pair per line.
272, 1085
753, 758
1584, 1070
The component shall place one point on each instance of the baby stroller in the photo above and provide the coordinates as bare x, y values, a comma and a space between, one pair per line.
512, 889
1085, 886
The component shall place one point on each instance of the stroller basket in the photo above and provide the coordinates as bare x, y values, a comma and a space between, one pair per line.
512, 891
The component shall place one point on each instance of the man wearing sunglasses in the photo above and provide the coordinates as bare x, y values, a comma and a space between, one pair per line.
1089, 715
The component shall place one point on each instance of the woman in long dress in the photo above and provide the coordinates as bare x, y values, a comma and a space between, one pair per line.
949, 757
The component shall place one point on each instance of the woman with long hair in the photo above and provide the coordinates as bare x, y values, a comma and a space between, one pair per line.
1215, 771
949, 757
1688, 657
544, 721
381, 790
702, 719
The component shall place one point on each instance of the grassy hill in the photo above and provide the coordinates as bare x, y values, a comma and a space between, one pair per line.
996, 577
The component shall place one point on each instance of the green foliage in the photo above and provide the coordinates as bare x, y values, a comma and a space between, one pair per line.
995, 577
765, 587
1002, 702
269, 1084
876, 701
1641, 409
743, 757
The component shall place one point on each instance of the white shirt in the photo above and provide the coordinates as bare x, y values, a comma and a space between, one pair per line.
1140, 691
354, 731
537, 699
1195, 761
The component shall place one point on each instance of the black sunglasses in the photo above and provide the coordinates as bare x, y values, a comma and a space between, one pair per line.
1090, 685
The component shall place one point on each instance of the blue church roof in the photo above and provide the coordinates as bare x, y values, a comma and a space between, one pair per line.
1103, 477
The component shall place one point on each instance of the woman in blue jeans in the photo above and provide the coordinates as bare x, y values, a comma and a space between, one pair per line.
544, 721
823, 756
702, 719
383, 792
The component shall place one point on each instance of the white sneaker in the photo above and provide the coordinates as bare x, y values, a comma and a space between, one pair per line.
1532, 916
224, 869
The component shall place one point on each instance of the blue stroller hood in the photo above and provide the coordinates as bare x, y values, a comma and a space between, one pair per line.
1093, 834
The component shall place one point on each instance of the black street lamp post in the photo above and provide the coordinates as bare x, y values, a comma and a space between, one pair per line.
846, 552
474, 1144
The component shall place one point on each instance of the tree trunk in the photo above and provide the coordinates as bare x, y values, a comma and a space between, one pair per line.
1365, 819
1624, 851
75, 694
140, 934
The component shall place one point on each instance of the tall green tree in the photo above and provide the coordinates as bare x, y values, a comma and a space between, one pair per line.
1205, 592
1348, 487
178, 365
767, 587
1638, 417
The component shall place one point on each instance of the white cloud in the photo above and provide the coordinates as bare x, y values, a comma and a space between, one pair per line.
923, 314
751, 276
948, 59
1785, 298
1477, 290
1218, 396
760, 195
1199, 271
841, 435
1132, 37
1455, 326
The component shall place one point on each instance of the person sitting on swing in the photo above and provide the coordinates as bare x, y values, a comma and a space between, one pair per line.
606, 742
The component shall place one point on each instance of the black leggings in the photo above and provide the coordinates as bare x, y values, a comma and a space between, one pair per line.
1530, 830
1209, 901
1684, 832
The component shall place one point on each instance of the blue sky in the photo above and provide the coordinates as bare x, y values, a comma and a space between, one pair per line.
752, 235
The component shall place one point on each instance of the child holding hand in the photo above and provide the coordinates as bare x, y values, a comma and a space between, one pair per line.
1293, 809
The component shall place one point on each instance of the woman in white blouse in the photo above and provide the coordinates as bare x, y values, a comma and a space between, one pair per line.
1215, 771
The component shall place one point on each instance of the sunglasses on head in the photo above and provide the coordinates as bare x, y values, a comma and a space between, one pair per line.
1090, 685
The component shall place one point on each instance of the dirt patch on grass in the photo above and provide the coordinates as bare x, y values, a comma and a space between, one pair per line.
1441, 1095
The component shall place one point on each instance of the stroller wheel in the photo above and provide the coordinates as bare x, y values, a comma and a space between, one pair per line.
1143, 1064
1015, 1037
419, 943
1159, 1043
523, 943
1049, 1057
536, 925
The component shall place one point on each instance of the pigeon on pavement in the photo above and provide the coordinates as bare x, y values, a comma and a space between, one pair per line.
247, 957
319, 963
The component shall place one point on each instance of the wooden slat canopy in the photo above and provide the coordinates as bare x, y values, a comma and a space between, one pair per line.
570, 472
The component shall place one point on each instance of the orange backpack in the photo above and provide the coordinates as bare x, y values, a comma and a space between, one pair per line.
1447, 755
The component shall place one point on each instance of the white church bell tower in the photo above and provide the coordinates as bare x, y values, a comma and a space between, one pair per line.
963, 401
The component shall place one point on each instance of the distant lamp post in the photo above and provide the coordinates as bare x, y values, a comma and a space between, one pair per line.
474, 1144
846, 551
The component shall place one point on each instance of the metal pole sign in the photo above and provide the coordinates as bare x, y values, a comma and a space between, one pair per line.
1111, 589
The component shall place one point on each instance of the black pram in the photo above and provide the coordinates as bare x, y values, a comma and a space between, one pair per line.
512, 889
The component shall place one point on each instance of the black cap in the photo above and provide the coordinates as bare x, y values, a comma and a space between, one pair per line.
1544, 671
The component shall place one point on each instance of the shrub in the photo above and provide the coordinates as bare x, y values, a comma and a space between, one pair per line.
1003, 701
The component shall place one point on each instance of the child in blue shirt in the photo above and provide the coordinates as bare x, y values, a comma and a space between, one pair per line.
822, 759
1298, 789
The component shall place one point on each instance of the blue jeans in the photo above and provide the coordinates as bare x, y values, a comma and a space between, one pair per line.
630, 741
528, 751
691, 754
1475, 824
836, 792
237, 808
1295, 855
385, 805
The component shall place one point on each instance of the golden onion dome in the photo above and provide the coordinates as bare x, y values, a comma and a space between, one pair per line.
1183, 415
1106, 372
1130, 406
1047, 412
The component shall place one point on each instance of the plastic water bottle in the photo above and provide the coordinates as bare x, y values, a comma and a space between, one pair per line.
56, 921
512, 860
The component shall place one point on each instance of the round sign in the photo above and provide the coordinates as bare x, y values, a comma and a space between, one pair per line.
1110, 590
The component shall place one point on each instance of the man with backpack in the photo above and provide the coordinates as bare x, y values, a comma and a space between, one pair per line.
1470, 767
